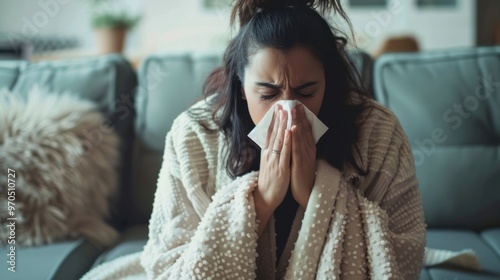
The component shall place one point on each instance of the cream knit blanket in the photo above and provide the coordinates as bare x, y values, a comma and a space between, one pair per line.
203, 224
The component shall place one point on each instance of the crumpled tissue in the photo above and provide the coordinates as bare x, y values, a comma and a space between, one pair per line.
259, 133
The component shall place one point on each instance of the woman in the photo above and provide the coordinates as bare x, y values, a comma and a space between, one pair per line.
347, 207
350, 204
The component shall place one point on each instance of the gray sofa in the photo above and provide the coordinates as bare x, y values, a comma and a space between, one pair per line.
111, 83
459, 177
448, 102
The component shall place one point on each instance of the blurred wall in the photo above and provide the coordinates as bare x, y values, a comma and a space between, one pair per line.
434, 28
181, 25
40, 18
47, 17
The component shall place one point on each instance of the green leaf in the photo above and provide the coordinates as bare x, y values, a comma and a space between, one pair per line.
114, 20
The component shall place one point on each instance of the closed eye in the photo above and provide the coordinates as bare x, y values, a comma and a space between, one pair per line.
268, 96
306, 95
273, 88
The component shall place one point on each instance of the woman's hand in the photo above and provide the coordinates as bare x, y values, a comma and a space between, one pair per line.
274, 174
303, 157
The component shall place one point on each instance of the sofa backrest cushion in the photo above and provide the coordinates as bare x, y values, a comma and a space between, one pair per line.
109, 81
448, 102
168, 85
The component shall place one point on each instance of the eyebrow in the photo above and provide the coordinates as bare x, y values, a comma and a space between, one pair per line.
273, 86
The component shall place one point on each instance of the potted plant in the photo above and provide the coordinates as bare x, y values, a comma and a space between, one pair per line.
111, 21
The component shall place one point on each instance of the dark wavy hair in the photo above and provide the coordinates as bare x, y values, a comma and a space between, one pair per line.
284, 25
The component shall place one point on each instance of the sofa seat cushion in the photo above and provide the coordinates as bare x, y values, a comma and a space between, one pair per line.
492, 237
443, 273
458, 240
132, 240
424, 275
59, 261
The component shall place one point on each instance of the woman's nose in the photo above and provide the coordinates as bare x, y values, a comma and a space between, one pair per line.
287, 95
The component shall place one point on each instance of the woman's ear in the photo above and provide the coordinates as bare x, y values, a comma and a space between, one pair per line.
243, 95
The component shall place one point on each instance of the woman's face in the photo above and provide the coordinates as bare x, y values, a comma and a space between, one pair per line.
272, 75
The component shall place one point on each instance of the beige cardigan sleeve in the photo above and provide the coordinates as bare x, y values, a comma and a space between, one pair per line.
192, 236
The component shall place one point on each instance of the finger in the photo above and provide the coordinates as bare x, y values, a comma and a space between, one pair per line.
298, 119
273, 127
296, 144
278, 142
285, 155
296, 141
306, 128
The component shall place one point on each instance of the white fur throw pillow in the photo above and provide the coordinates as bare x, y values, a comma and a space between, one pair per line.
64, 159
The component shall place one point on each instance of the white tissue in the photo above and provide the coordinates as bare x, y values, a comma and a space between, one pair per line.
259, 133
